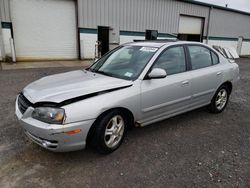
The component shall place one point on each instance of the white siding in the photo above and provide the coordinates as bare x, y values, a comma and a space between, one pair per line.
162, 15
4, 11
6, 41
88, 41
229, 24
245, 49
137, 15
1, 44
1, 56
223, 43
125, 39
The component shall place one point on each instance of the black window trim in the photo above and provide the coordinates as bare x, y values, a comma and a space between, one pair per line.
167, 48
210, 50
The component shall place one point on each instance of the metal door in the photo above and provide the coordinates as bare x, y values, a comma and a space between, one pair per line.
103, 39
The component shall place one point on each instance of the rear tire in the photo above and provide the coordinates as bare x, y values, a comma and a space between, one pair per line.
220, 100
110, 131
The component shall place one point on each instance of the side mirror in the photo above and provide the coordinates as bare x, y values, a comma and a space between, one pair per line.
157, 73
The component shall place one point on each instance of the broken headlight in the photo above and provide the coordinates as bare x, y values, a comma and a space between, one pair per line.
49, 115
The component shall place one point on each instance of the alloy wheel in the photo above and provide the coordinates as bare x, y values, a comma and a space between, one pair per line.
221, 99
114, 131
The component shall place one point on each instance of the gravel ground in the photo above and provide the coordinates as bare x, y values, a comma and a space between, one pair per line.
196, 149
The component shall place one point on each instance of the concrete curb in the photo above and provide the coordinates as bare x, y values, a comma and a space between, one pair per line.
44, 64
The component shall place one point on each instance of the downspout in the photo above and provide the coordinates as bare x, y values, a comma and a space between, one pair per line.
2, 52
1, 38
208, 24
11, 40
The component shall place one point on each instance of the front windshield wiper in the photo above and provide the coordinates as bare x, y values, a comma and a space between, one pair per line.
103, 73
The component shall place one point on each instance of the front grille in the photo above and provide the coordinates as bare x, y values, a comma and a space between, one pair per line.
23, 103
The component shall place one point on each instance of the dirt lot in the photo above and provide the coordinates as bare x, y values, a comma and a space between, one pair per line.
196, 149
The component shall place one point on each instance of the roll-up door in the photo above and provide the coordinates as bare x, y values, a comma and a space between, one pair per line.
44, 29
190, 28
190, 25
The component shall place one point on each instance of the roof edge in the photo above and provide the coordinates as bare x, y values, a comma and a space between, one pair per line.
215, 6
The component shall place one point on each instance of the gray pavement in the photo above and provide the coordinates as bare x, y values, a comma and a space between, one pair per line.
44, 64
196, 149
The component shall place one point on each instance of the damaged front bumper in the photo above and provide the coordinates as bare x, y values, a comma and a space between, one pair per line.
54, 137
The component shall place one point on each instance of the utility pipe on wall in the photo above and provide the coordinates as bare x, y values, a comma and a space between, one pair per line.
208, 24
2, 52
13, 52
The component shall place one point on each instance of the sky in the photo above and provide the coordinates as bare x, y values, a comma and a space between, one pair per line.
243, 5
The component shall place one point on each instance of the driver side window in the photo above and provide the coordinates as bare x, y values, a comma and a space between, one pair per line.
172, 60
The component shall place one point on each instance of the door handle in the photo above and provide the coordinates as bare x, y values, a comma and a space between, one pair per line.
184, 83
218, 73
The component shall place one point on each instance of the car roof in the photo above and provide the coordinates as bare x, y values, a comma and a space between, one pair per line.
160, 43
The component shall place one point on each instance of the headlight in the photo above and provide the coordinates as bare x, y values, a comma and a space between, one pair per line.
49, 115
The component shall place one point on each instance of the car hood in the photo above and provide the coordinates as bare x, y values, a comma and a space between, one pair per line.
60, 87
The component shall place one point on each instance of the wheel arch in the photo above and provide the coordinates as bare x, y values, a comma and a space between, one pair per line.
95, 124
229, 85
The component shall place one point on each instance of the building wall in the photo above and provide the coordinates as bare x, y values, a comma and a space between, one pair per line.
1, 38
4, 17
245, 50
133, 17
1, 43
226, 27
87, 45
229, 24
5, 33
137, 15
4, 10
88, 38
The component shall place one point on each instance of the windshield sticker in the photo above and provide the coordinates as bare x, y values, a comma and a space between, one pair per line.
128, 74
148, 49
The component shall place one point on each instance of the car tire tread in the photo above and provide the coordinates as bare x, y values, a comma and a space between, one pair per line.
212, 106
98, 137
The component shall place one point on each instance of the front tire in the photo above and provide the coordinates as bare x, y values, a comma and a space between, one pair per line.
110, 131
220, 100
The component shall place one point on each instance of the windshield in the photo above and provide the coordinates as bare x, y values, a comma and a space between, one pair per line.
126, 62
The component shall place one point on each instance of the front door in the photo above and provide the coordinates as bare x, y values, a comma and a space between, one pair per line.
170, 95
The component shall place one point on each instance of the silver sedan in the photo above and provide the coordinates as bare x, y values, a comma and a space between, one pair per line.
134, 84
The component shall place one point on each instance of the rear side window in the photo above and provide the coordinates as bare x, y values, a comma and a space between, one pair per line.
172, 60
214, 58
200, 57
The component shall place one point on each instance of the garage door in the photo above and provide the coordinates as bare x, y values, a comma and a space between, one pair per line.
190, 25
44, 29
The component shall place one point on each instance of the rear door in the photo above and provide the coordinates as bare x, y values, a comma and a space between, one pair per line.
206, 74
170, 95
